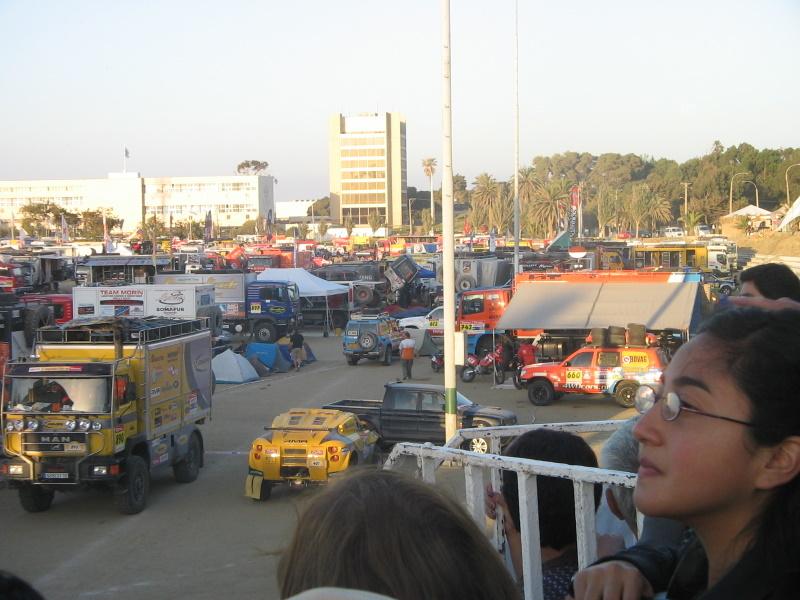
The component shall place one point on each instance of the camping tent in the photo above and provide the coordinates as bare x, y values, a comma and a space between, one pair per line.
309, 285
269, 355
750, 211
230, 367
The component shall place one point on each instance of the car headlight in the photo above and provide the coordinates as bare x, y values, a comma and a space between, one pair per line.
32, 424
70, 425
96, 425
19, 425
10, 426
84, 424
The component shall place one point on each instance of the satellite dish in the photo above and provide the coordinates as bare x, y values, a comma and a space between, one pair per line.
577, 252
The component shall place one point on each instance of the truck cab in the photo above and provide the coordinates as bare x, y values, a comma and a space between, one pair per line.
477, 313
273, 308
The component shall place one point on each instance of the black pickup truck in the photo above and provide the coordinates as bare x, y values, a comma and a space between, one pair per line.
415, 413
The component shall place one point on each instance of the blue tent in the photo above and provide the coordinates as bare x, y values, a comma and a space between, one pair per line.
270, 355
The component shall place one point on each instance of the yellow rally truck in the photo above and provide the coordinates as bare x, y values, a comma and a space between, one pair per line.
103, 403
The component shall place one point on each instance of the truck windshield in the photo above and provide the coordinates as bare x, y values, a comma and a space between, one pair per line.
73, 395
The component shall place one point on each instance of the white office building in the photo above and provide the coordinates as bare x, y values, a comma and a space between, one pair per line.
232, 199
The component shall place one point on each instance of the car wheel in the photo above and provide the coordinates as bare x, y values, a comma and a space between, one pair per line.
467, 374
352, 361
541, 392
188, 468
478, 445
625, 393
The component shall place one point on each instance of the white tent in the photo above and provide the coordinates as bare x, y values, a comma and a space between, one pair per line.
750, 210
794, 213
230, 367
309, 286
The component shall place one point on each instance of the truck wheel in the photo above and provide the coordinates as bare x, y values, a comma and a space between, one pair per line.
188, 468
625, 393
541, 392
467, 373
265, 333
35, 317
466, 282
34, 498
387, 359
363, 294
266, 490
352, 361
131, 496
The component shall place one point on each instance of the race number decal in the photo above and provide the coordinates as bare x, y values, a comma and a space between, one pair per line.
255, 307
119, 438
574, 377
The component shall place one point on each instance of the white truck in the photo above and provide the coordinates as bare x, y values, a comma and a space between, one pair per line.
177, 301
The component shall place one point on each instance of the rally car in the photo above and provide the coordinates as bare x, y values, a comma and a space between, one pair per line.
307, 445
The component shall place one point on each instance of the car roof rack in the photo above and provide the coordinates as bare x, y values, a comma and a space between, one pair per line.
108, 330
368, 315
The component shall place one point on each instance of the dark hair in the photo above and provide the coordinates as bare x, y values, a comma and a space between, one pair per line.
773, 280
762, 350
556, 499
383, 532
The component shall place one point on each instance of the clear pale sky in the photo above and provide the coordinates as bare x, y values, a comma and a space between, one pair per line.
195, 87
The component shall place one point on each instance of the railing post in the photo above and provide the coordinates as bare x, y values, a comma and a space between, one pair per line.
529, 533
474, 478
428, 468
584, 523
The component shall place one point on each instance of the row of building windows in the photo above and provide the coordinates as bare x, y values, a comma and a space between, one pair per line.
363, 175
166, 188
363, 198
363, 141
364, 152
365, 185
40, 200
360, 216
363, 164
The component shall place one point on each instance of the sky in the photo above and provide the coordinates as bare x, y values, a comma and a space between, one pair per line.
192, 88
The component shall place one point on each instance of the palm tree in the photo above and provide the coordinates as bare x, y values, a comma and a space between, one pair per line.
348, 226
374, 221
484, 192
429, 167
691, 220
501, 209
427, 220
550, 205
322, 229
302, 231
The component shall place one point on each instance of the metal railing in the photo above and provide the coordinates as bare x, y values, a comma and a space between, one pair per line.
480, 469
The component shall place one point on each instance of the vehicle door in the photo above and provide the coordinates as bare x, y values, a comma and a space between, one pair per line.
575, 370
431, 417
607, 370
399, 415
435, 322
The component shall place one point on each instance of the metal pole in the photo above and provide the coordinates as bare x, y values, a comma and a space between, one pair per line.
516, 138
448, 255
786, 175
755, 186
433, 208
730, 191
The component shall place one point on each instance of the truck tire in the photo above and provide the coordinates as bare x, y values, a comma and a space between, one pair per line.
131, 495
625, 393
36, 316
466, 282
265, 332
266, 490
599, 336
362, 294
34, 498
368, 341
352, 360
188, 468
541, 392
616, 336
637, 334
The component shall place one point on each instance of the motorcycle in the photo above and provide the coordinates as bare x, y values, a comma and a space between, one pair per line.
437, 362
525, 355
491, 362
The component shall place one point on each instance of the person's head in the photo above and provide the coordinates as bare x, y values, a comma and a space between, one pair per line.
738, 474
406, 334
621, 453
556, 500
770, 280
383, 532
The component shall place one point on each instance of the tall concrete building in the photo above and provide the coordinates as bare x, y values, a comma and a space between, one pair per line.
232, 199
368, 167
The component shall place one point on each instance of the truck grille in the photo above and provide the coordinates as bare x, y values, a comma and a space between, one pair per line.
54, 442
294, 457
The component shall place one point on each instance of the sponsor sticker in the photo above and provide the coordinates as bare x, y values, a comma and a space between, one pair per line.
255, 307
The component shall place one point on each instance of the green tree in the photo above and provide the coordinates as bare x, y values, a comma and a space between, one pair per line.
251, 167
348, 226
374, 221
320, 207
302, 231
485, 190
426, 219
550, 206
690, 221
322, 229
92, 223
429, 168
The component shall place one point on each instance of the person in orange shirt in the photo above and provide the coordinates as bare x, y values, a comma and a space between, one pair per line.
407, 347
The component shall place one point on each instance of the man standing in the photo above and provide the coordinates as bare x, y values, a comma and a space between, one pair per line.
298, 352
407, 347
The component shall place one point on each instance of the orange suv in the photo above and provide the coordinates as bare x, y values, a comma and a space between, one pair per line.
615, 370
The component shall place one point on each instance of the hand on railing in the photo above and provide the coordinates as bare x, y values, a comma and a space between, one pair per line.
612, 580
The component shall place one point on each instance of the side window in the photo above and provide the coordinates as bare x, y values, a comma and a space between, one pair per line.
608, 359
267, 294
431, 401
583, 359
347, 427
404, 400
438, 314
472, 303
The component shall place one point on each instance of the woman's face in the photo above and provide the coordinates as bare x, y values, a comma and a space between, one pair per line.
696, 466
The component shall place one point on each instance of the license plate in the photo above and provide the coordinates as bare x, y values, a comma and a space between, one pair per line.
316, 462
352, 332
55, 475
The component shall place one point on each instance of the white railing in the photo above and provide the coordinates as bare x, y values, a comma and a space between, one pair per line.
481, 468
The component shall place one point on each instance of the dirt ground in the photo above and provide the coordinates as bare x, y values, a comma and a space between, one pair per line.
776, 243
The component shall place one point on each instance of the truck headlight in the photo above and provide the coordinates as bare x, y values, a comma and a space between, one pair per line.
272, 452
32, 424
70, 424
19, 425
10, 426
84, 424
100, 470
96, 425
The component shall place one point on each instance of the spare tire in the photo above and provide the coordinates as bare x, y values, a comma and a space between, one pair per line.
362, 294
637, 334
599, 336
466, 282
368, 340
616, 336
36, 316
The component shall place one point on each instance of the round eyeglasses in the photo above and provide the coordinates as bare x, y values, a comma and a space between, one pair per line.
672, 405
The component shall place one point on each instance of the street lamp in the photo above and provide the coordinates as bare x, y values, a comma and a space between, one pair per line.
786, 175
755, 186
730, 191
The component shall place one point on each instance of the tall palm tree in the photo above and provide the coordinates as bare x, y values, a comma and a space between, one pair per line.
427, 220
550, 205
429, 168
374, 221
348, 226
484, 192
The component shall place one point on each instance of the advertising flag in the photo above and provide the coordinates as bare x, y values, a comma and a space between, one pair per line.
575, 199
208, 233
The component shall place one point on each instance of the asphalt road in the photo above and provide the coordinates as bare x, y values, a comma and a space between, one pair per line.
205, 539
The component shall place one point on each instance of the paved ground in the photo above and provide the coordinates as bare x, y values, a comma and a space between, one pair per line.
205, 539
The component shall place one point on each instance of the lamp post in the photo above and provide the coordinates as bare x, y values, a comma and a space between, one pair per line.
786, 175
730, 191
755, 186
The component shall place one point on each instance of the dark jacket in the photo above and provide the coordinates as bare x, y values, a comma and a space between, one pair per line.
683, 573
